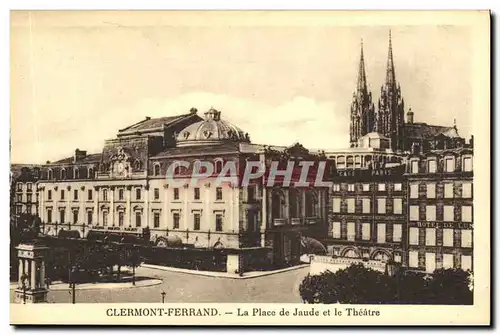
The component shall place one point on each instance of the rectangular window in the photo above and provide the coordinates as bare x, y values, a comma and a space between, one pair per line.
218, 222
196, 193
431, 191
62, 215
414, 213
414, 191
336, 187
336, 230
89, 194
19, 198
350, 187
466, 190
366, 203
366, 187
430, 262
138, 217
156, 219
105, 218
350, 205
466, 214
105, 195
156, 194
398, 206
448, 237
413, 235
49, 195
29, 197
381, 207
466, 238
449, 165
177, 220
448, 261
448, 213
19, 186
398, 187
28, 209
431, 166
448, 190
75, 194
365, 232
430, 213
414, 167
351, 231
466, 262
430, 236
251, 193
413, 259
218, 193
75, 217
381, 187
120, 194
381, 233
176, 194
397, 232
197, 221
336, 205
120, 219
89, 218
62, 194
29, 186
467, 164
49, 215
137, 194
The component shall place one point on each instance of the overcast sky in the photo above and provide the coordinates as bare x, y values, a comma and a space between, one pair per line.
78, 78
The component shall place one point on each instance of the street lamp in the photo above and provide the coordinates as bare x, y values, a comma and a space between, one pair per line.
163, 294
73, 283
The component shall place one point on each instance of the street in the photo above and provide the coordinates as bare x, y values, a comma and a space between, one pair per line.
180, 287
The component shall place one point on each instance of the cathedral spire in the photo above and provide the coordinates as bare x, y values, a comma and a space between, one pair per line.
390, 78
362, 86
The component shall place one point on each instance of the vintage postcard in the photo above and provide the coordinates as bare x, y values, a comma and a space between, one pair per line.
250, 168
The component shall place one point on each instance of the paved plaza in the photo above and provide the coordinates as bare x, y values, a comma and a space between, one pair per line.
181, 287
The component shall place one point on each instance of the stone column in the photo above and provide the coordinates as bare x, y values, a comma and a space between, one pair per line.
33, 274
303, 205
206, 208
42, 273
41, 212
146, 205
185, 209
165, 206
20, 272
287, 206
96, 204
112, 205
129, 205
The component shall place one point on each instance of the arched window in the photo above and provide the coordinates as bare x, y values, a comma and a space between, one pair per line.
156, 169
76, 173
295, 203
311, 203
218, 166
50, 174
90, 173
351, 254
137, 164
63, 174
276, 205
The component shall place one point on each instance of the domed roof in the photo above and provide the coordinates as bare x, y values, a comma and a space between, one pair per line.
212, 130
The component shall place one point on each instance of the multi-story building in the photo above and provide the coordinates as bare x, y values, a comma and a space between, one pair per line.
147, 178
440, 209
24, 193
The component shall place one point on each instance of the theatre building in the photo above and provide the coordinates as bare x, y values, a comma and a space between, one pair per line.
127, 189
440, 203
367, 213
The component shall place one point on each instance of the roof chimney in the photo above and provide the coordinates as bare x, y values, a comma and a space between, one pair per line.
148, 118
409, 116
193, 110
79, 154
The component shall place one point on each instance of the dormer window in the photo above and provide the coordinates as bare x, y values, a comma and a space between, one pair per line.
63, 174
156, 169
414, 166
50, 174
90, 173
77, 173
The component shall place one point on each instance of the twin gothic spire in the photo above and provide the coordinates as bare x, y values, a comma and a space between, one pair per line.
388, 120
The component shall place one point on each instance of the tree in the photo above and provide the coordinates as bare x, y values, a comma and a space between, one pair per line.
353, 285
450, 287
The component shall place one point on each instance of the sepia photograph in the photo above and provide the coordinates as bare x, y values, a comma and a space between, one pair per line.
170, 162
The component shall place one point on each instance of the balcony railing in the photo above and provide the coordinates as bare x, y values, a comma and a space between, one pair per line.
296, 221
280, 222
311, 220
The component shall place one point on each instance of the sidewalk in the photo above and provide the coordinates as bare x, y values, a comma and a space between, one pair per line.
60, 286
246, 275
